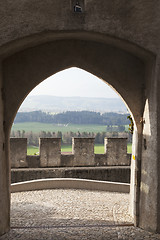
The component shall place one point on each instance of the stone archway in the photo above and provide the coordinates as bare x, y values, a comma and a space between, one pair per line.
115, 40
123, 70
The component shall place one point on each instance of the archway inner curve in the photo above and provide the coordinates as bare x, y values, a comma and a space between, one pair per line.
77, 83
123, 71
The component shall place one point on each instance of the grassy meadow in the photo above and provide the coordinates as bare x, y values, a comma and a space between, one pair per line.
38, 127
129, 148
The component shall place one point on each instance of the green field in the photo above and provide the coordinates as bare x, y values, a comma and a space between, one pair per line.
32, 150
98, 149
38, 127
129, 148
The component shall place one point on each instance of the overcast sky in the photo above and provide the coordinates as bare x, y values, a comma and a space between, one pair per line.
74, 82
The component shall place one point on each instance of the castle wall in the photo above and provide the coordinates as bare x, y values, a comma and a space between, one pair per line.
82, 153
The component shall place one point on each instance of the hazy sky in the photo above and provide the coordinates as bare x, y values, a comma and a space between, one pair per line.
74, 82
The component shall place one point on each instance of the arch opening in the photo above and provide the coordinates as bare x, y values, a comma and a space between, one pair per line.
107, 55
126, 220
115, 65
91, 122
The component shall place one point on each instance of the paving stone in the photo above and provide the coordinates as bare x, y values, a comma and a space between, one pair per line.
72, 214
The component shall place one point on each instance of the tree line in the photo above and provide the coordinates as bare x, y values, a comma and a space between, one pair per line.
33, 138
73, 117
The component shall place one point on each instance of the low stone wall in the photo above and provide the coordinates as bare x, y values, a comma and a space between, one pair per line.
112, 174
70, 183
82, 153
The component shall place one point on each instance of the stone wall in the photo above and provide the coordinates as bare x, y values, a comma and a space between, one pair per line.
82, 153
18, 152
110, 173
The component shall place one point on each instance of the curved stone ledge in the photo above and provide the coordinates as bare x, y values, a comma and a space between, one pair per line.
70, 183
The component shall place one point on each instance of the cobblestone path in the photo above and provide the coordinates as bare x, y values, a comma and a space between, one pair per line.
72, 214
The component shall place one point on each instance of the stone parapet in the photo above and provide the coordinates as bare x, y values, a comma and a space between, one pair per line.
82, 153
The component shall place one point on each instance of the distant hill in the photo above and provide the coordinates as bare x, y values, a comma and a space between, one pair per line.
73, 117
62, 104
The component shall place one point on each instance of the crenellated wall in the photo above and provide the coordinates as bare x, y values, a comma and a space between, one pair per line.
82, 153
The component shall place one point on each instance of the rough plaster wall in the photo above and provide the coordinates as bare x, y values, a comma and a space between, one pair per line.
4, 171
149, 188
144, 167
157, 142
137, 21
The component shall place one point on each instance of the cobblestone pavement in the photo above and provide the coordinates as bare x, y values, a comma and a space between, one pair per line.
72, 214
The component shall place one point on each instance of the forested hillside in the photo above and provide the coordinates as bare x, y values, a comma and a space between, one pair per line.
73, 117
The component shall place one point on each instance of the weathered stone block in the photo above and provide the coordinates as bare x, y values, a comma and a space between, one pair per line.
100, 159
18, 152
33, 161
50, 152
116, 150
67, 160
83, 150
